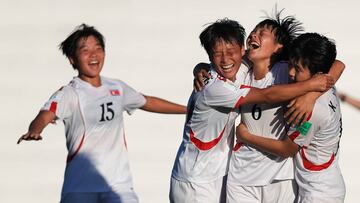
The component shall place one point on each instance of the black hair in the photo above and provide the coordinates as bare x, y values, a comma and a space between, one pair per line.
314, 51
224, 29
285, 31
69, 45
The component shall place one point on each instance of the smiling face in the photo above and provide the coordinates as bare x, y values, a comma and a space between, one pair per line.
262, 45
89, 59
227, 58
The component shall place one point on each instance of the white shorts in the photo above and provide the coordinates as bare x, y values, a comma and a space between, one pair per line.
312, 199
128, 196
284, 191
185, 192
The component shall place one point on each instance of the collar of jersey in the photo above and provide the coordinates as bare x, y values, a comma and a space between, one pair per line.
83, 83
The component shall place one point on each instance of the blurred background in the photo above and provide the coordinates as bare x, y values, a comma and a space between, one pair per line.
152, 46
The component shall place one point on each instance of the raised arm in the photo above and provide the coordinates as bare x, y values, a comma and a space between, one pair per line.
302, 106
37, 126
283, 148
280, 93
157, 105
337, 69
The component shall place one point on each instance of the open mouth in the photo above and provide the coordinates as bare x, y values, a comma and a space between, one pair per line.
254, 45
94, 62
227, 67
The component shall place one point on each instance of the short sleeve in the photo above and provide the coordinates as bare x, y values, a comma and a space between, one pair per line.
225, 94
62, 103
132, 99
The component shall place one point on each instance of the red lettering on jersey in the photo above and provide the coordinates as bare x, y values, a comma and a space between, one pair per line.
115, 92
53, 107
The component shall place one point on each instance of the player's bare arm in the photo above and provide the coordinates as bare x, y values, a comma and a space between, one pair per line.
350, 100
300, 108
158, 105
280, 93
283, 148
37, 125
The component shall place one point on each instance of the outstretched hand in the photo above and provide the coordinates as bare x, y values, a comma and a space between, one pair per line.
30, 136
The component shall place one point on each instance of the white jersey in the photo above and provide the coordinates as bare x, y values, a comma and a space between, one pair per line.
95, 137
248, 165
208, 133
317, 170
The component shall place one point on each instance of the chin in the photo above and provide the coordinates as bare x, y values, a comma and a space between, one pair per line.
229, 75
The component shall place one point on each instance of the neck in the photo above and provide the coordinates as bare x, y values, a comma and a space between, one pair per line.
260, 69
96, 81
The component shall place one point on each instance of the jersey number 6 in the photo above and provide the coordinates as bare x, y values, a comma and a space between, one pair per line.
256, 112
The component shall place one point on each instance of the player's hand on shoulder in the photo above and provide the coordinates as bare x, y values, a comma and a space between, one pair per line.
322, 82
299, 109
201, 75
30, 136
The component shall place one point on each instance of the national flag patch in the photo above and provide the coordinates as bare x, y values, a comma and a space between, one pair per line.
53, 107
304, 128
115, 92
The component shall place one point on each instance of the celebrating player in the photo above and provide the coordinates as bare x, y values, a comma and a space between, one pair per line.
255, 176
91, 107
201, 164
316, 142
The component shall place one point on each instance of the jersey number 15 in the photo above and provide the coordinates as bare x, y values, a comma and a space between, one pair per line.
107, 113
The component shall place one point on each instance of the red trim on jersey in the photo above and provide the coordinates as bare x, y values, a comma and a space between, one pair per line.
221, 78
312, 167
245, 86
205, 145
125, 143
71, 157
308, 118
294, 135
237, 146
53, 107
239, 102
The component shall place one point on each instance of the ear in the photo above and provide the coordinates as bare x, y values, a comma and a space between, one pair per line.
278, 47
